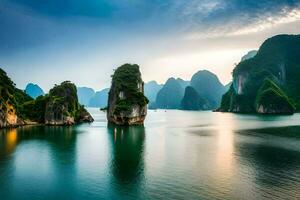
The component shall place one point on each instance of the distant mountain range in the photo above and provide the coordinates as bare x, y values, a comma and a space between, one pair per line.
84, 95
151, 89
89, 98
170, 95
249, 55
265, 81
99, 99
203, 92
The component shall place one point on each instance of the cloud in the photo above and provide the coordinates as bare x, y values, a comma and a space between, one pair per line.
238, 17
286, 16
173, 36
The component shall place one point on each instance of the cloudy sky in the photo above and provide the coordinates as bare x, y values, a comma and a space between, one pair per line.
49, 41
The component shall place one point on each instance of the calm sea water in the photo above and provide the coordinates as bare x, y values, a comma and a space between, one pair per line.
176, 155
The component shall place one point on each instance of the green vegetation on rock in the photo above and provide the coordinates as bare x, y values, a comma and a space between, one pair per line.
271, 99
63, 107
59, 107
127, 104
278, 60
11, 98
127, 85
34, 110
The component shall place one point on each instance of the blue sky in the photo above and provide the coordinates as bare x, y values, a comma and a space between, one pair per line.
46, 42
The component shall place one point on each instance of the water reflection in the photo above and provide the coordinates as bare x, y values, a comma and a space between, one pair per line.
127, 162
274, 169
127, 150
38, 155
8, 142
59, 136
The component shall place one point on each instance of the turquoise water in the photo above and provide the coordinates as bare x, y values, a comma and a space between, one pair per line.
176, 155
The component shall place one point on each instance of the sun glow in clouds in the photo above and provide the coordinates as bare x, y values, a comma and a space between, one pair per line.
176, 38
271, 21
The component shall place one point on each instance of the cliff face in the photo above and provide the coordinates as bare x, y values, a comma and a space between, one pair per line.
276, 63
127, 104
11, 100
63, 108
272, 100
8, 116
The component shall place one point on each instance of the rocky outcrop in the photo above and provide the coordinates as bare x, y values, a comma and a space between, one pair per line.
275, 65
84, 116
63, 108
8, 116
272, 100
57, 114
127, 104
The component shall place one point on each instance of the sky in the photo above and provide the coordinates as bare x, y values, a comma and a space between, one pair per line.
47, 42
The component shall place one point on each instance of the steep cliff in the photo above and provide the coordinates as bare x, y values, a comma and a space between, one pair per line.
11, 100
271, 99
127, 104
276, 60
63, 108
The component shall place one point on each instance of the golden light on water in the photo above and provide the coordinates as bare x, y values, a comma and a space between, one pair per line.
225, 150
11, 140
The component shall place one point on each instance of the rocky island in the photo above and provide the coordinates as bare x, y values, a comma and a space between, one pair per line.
127, 104
267, 83
59, 107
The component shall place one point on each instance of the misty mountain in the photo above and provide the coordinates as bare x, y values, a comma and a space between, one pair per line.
33, 90
100, 99
169, 97
249, 55
209, 87
84, 95
183, 83
151, 89
192, 100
